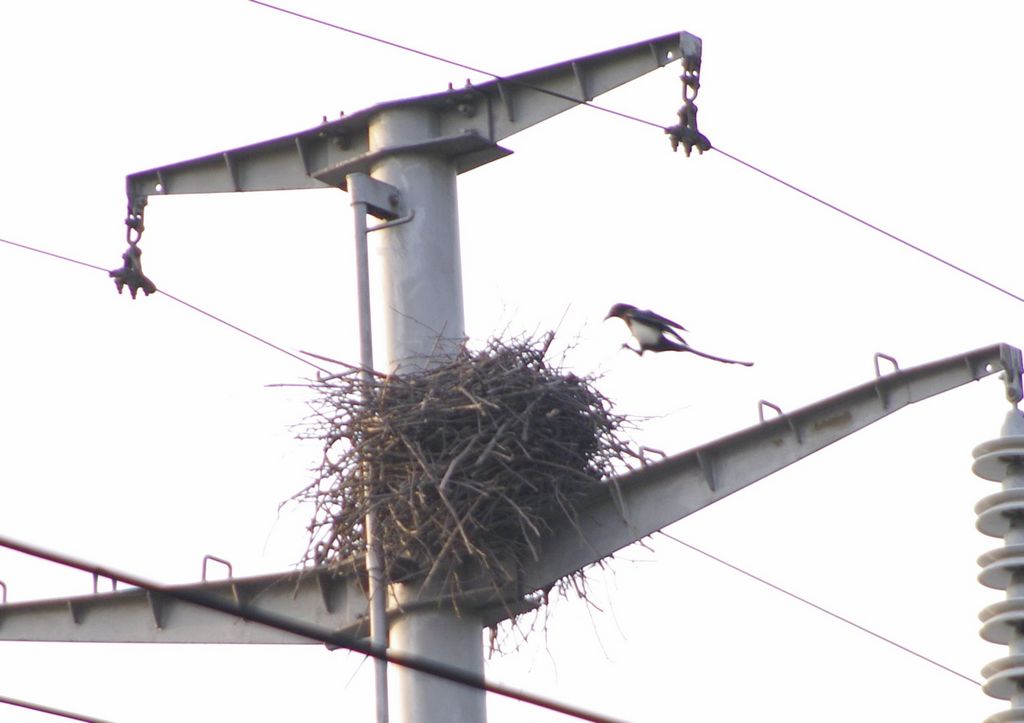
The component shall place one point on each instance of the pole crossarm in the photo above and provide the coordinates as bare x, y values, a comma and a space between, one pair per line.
644, 501
316, 596
468, 123
329, 599
637, 505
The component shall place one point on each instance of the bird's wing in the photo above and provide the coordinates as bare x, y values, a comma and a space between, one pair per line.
652, 318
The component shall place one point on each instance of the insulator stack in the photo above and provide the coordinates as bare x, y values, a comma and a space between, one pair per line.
1002, 515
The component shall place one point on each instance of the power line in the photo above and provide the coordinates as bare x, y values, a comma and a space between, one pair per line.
240, 330
305, 630
646, 122
40, 708
819, 608
870, 225
298, 627
170, 296
455, 63
56, 256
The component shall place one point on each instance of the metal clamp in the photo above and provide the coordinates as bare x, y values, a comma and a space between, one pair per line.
685, 132
130, 274
134, 221
1011, 376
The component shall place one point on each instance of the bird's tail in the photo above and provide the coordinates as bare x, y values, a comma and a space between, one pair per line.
717, 358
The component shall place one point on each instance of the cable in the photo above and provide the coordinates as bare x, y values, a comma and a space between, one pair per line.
243, 331
455, 63
644, 121
281, 622
38, 707
870, 225
246, 612
180, 301
306, 630
805, 601
56, 256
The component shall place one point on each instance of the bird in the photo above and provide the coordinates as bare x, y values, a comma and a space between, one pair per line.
653, 331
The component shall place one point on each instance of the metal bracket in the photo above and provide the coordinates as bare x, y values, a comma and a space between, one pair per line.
381, 199
395, 222
156, 606
77, 613
880, 390
222, 561
1011, 376
892, 360
707, 468
96, 583
763, 403
325, 590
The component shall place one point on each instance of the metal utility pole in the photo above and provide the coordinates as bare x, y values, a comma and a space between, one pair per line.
400, 160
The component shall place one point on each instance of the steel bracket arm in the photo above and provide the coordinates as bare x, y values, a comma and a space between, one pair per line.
465, 124
641, 502
317, 596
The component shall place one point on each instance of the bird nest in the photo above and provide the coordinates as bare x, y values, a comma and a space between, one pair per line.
466, 465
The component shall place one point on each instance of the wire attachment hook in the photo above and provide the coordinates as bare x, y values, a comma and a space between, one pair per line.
685, 132
1013, 369
130, 274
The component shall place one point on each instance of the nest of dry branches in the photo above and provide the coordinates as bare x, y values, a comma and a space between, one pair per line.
466, 465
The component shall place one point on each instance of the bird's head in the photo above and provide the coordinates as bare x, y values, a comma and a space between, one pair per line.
620, 310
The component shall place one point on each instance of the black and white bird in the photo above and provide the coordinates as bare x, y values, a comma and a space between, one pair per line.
653, 331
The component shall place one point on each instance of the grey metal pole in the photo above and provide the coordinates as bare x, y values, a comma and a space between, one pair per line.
374, 564
441, 634
422, 288
422, 270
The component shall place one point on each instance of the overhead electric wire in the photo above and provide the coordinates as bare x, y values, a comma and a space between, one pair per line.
240, 330
646, 122
56, 256
873, 227
819, 608
449, 61
170, 296
297, 627
240, 612
40, 708
306, 630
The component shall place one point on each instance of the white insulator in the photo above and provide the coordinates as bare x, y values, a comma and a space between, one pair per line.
999, 565
1004, 677
1002, 515
1015, 715
993, 459
996, 511
1001, 620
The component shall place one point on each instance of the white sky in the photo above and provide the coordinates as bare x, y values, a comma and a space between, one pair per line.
143, 436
